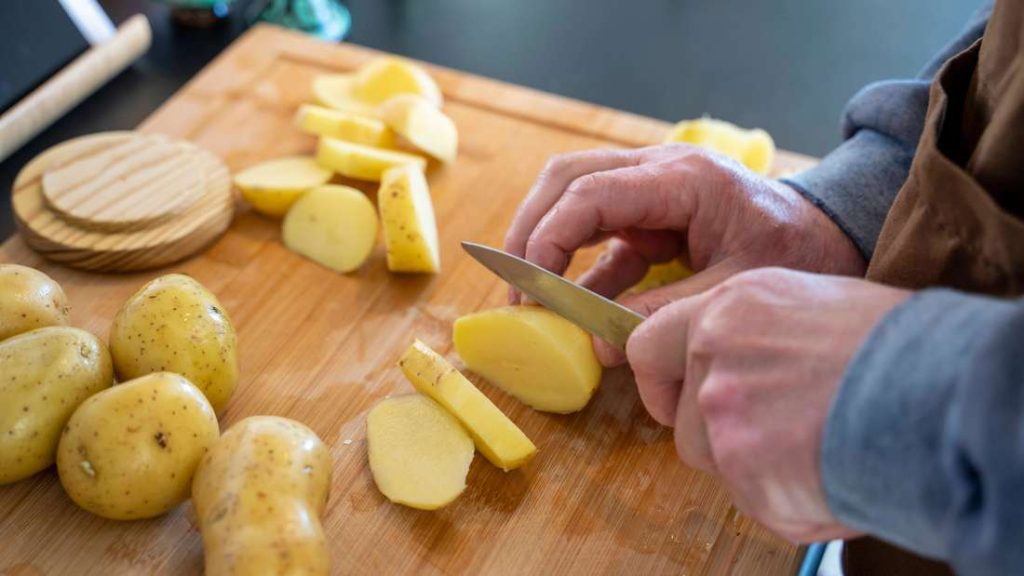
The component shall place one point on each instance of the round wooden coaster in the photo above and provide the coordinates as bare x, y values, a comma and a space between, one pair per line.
157, 245
133, 182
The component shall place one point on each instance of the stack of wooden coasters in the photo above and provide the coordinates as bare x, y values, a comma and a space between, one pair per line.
119, 201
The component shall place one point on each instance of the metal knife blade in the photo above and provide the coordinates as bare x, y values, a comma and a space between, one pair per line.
594, 313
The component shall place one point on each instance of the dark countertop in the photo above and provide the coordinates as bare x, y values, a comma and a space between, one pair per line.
787, 66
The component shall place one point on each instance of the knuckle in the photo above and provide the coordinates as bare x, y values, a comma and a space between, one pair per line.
583, 185
720, 395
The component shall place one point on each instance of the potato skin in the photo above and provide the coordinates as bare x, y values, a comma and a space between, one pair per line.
44, 375
130, 451
259, 494
174, 324
29, 299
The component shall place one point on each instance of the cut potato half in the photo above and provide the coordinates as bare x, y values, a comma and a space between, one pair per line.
754, 148
273, 186
383, 78
419, 453
423, 125
356, 128
335, 226
496, 437
407, 216
360, 161
533, 354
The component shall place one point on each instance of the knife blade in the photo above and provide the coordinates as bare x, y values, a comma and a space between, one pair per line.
594, 313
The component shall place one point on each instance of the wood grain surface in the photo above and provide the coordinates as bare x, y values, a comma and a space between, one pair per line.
606, 494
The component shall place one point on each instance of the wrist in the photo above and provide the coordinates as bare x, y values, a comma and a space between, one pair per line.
826, 246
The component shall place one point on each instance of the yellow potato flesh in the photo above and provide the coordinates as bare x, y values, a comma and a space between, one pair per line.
44, 375
495, 436
344, 126
419, 453
659, 275
29, 299
754, 148
259, 494
533, 354
383, 78
423, 125
273, 186
335, 226
407, 216
361, 162
335, 91
175, 324
130, 451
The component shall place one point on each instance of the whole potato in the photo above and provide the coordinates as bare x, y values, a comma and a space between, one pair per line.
130, 451
259, 494
174, 324
29, 299
44, 375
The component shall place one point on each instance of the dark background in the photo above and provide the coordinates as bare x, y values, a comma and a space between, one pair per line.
787, 66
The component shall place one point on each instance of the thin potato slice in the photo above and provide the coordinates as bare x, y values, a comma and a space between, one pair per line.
335, 226
407, 214
495, 436
344, 126
273, 186
423, 125
419, 453
359, 161
533, 354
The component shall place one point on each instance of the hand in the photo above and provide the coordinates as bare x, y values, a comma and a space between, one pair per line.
664, 202
746, 373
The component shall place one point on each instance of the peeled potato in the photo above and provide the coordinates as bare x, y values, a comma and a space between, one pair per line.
344, 126
359, 161
496, 437
272, 187
659, 275
754, 148
335, 226
419, 453
423, 125
386, 77
533, 354
335, 91
407, 214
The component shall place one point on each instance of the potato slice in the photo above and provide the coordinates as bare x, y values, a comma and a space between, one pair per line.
273, 186
407, 214
383, 78
754, 148
659, 275
419, 453
495, 436
344, 126
533, 354
335, 91
332, 225
423, 125
361, 162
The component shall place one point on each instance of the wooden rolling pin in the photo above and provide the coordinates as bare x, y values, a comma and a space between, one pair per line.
83, 76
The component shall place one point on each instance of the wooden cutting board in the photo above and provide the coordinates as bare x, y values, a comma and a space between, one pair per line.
606, 493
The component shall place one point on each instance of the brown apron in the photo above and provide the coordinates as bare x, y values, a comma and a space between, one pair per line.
957, 221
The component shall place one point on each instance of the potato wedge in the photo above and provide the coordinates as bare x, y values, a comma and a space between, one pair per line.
419, 453
335, 91
407, 215
344, 126
383, 78
335, 226
423, 125
754, 148
533, 354
361, 162
495, 435
29, 299
273, 186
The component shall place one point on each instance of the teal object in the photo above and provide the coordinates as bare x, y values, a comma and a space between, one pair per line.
325, 19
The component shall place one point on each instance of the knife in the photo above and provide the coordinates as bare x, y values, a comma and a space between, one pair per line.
594, 313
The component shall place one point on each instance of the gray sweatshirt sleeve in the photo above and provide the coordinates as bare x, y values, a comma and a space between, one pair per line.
857, 182
924, 442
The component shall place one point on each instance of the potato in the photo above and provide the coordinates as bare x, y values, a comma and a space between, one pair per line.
359, 161
335, 91
495, 436
754, 148
335, 226
419, 453
533, 354
344, 126
130, 451
29, 299
422, 124
407, 215
44, 375
259, 494
383, 78
659, 275
175, 324
273, 186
